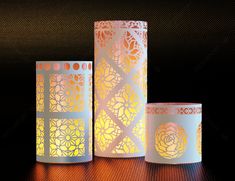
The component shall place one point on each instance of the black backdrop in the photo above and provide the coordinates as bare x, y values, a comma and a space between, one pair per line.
189, 60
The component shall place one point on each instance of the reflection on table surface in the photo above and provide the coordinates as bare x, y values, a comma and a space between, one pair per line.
118, 169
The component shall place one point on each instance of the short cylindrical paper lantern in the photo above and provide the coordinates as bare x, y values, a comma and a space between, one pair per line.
64, 111
173, 133
120, 87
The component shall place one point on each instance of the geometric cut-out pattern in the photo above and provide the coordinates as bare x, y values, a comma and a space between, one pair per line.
39, 93
40, 136
64, 111
67, 137
66, 93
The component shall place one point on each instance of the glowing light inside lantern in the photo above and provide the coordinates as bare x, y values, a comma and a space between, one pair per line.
173, 133
120, 87
64, 117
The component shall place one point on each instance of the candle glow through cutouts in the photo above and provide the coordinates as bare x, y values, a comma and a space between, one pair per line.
120, 87
64, 111
173, 133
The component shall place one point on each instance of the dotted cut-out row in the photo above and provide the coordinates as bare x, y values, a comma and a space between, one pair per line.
61, 66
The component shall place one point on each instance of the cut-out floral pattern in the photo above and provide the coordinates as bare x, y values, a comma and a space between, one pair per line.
199, 139
140, 78
126, 52
170, 140
139, 130
125, 105
106, 130
39, 93
104, 34
67, 137
126, 146
40, 136
90, 137
66, 93
90, 92
106, 78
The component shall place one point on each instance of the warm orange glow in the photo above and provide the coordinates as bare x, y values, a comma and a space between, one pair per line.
171, 140
116, 169
120, 87
199, 139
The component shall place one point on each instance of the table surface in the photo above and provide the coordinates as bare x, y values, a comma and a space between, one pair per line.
118, 169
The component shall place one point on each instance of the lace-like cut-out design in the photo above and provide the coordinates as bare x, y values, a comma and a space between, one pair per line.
140, 78
66, 93
40, 136
139, 130
199, 139
126, 52
170, 140
125, 105
106, 78
126, 146
67, 137
39, 93
106, 130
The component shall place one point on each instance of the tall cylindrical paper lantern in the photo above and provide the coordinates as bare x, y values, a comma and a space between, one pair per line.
120, 87
64, 111
173, 133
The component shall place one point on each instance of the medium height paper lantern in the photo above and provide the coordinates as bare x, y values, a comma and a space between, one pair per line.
173, 133
64, 111
120, 87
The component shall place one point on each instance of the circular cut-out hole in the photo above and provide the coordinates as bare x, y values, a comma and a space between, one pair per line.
76, 66
66, 66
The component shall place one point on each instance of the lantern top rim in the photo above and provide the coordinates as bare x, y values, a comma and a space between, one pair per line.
120, 24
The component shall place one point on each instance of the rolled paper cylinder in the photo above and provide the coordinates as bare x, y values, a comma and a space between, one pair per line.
173, 133
64, 111
120, 87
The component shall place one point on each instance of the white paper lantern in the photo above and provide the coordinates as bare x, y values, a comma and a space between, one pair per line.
173, 133
64, 115
120, 87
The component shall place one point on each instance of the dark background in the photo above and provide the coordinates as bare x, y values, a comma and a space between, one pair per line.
189, 60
